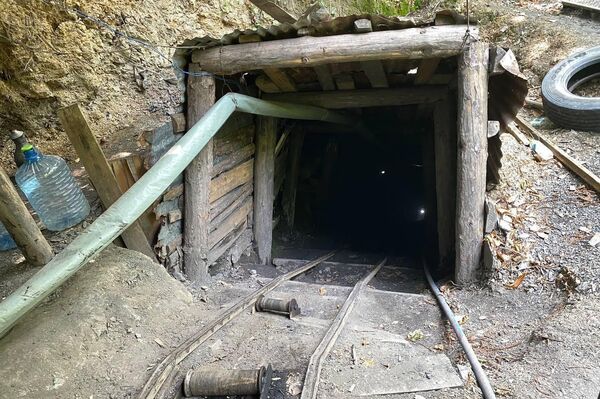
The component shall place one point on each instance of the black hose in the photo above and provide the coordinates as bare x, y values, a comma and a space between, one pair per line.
482, 380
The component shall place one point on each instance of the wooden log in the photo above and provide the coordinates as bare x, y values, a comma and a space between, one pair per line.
426, 70
220, 218
234, 220
363, 98
227, 181
179, 123
232, 141
278, 13
233, 160
88, 149
201, 97
291, 181
445, 167
325, 79
412, 43
375, 73
225, 201
471, 159
18, 222
263, 186
571, 163
281, 79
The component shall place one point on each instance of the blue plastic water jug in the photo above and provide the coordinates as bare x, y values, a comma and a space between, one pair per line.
52, 191
6, 241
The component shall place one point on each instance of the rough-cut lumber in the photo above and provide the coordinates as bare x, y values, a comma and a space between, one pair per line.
233, 160
220, 218
179, 123
291, 180
413, 43
574, 166
471, 159
282, 140
516, 133
375, 73
18, 222
363, 98
445, 181
278, 13
426, 70
266, 85
280, 163
165, 368
227, 181
228, 142
344, 81
88, 149
281, 79
235, 219
227, 242
225, 201
264, 168
325, 78
313, 371
201, 96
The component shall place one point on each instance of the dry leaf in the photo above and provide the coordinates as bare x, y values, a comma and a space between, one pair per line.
518, 281
322, 291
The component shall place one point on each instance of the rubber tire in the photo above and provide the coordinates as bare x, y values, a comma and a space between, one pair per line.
565, 108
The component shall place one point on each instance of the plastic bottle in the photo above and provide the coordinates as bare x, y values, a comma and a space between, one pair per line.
6, 241
20, 140
52, 191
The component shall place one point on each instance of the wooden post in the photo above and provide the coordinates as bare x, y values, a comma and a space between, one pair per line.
89, 151
18, 222
445, 166
264, 171
471, 159
291, 180
200, 97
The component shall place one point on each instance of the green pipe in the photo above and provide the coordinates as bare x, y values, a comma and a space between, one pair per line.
130, 206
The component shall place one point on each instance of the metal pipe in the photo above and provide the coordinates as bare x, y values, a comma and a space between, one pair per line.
482, 380
130, 206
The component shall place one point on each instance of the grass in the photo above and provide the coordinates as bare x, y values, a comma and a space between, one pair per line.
387, 7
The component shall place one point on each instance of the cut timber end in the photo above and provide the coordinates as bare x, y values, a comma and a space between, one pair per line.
412, 43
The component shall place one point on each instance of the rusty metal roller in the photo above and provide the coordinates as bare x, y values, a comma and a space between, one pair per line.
280, 306
211, 382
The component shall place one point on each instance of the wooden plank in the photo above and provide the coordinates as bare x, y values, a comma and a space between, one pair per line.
164, 370
445, 181
278, 13
516, 133
201, 97
221, 217
20, 224
376, 74
280, 163
590, 5
227, 242
291, 180
364, 98
266, 85
226, 143
281, 79
234, 220
263, 186
471, 160
88, 149
571, 163
313, 371
225, 201
412, 43
325, 78
344, 81
233, 160
227, 181
283, 139
179, 122
426, 70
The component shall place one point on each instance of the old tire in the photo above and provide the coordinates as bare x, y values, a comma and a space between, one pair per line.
562, 106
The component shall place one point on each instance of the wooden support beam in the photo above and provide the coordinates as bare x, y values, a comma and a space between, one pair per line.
376, 74
18, 222
231, 179
426, 70
201, 96
344, 81
237, 217
179, 123
471, 159
278, 13
266, 85
88, 149
291, 181
412, 43
281, 79
325, 79
264, 169
445, 165
364, 98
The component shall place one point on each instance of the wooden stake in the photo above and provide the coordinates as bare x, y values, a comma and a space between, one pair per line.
18, 222
201, 96
471, 159
89, 151
264, 170
291, 184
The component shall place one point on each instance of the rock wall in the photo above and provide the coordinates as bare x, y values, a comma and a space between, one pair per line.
52, 56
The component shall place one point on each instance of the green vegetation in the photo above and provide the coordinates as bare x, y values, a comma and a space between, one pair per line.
386, 7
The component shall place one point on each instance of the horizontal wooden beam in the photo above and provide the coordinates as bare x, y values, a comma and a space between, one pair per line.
363, 98
413, 43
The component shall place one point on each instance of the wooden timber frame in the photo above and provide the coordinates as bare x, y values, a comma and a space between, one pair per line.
460, 124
